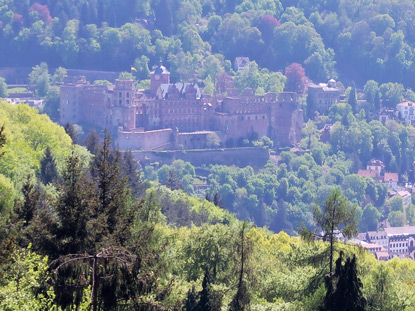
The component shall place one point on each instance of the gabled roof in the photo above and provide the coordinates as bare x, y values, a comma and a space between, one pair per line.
393, 177
180, 86
404, 194
382, 255
400, 230
406, 104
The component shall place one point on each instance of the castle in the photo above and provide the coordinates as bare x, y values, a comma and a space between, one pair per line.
178, 115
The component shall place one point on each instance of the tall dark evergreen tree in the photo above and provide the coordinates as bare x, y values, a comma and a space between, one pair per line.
131, 170
92, 143
242, 299
173, 181
352, 101
111, 186
48, 170
190, 303
26, 209
2, 138
74, 208
344, 288
209, 299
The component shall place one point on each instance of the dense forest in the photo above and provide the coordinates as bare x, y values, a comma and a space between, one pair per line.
81, 229
346, 39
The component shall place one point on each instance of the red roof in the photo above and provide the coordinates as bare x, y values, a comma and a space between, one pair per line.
394, 177
407, 103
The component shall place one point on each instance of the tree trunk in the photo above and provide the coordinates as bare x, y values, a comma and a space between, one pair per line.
94, 284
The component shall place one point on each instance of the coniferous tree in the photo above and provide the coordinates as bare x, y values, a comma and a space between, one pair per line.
352, 101
2, 138
71, 131
74, 208
336, 217
92, 143
344, 288
26, 209
48, 170
173, 181
190, 303
242, 299
131, 170
217, 200
111, 186
209, 299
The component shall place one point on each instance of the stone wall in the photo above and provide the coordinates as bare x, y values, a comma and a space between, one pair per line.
138, 139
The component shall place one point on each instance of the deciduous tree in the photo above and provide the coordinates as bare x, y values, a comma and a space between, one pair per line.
296, 78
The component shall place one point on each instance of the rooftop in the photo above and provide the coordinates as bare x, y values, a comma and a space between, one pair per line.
406, 104
394, 177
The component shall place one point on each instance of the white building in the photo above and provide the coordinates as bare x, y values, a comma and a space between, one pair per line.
397, 241
407, 112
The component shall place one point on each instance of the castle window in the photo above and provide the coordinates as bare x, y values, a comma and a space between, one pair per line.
119, 94
256, 117
128, 95
120, 102
263, 117
128, 102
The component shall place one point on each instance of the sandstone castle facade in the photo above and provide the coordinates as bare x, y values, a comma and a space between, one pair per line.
178, 115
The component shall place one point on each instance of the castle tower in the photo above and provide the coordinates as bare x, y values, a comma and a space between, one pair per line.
124, 92
123, 111
159, 76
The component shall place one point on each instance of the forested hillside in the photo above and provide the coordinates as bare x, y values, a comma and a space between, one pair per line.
83, 229
349, 39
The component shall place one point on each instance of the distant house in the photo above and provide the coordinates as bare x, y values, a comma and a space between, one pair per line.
383, 256
321, 96
374, 169
387, 114
405, 195
391, 180
407, 112
241, 63
393, 242
376, 165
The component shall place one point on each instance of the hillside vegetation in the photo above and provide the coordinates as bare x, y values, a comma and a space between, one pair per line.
150, 247
350, 39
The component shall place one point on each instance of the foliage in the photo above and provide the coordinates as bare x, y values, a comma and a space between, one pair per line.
21, 286
336, 217
3, 87
28, 136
